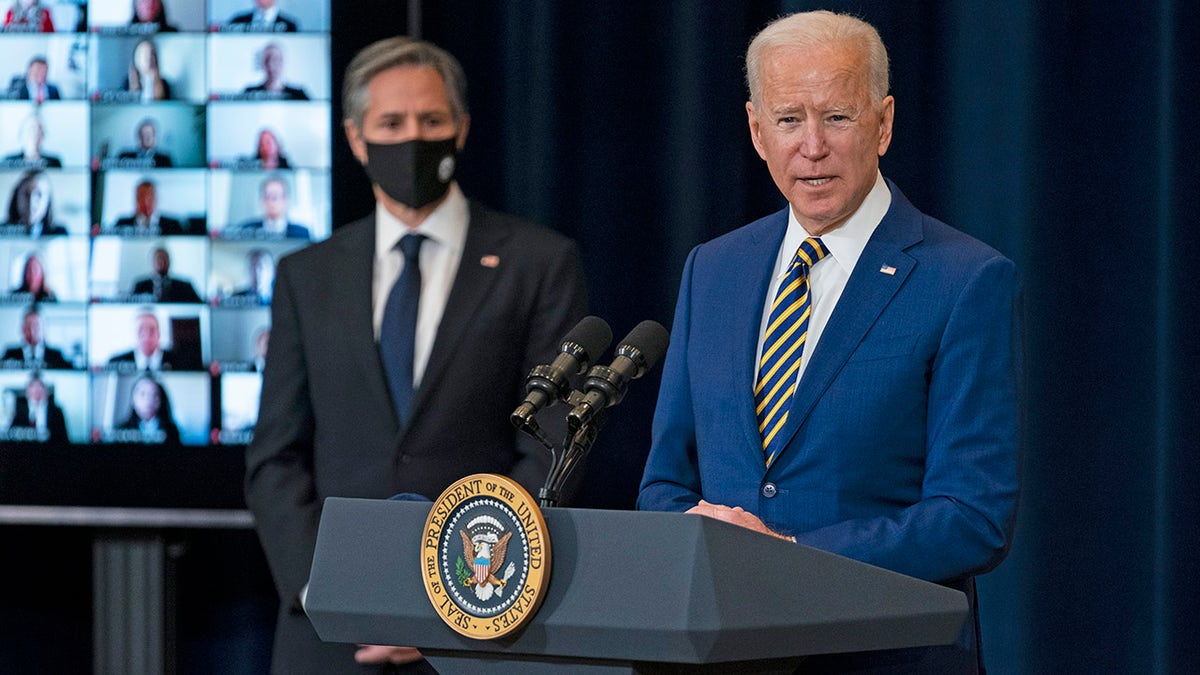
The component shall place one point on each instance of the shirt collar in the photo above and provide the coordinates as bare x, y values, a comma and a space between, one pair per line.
144, 362
847, 241
447, 225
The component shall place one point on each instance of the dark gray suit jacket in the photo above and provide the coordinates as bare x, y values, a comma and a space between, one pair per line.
326, 425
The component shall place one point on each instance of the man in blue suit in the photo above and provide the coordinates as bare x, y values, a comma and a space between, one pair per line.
870, 406
273, 195
34, 87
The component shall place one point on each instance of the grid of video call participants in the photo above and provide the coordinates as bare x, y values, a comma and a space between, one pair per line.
158, 157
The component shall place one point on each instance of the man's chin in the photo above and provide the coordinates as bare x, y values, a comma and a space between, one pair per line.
817, 218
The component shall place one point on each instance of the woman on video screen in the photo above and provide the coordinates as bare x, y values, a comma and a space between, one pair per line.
144, 77
269, 152
31, 207
150, 412
33, 281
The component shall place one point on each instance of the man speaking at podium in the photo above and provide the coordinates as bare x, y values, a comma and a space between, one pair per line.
844, 373
400, 345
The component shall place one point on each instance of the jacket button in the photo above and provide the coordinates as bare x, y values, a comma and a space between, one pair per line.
769, 490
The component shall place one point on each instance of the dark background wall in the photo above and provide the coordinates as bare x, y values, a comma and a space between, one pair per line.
1058, 132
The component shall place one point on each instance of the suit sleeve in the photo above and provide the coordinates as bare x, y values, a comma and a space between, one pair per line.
671, 481
561, 302
280, 487
963, 522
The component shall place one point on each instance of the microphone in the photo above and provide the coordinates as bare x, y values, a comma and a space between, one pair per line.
549, 383
605, 385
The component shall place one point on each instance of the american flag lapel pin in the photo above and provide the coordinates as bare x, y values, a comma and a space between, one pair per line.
888, 270
490, 261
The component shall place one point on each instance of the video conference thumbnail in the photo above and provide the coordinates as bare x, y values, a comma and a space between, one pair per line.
158, 157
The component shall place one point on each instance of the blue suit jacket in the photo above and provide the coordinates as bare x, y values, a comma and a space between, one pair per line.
902, 440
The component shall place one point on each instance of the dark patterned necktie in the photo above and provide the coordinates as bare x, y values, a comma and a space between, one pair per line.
398, 331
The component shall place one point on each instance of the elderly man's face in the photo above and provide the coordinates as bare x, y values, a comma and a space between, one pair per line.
31, 329
161, 260
272, 62
37, 73
147, 199
147, 136
147, 334
274, 200
819, 130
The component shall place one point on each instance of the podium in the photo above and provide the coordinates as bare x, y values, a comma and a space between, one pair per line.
629, 592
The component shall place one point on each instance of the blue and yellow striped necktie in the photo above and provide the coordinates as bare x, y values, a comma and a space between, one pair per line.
783, 346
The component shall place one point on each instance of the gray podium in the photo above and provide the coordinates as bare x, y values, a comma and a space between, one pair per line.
629, 592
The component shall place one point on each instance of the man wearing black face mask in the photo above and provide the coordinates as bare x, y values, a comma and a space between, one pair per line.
400, 345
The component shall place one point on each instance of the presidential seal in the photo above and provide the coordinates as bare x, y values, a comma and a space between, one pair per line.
485, 556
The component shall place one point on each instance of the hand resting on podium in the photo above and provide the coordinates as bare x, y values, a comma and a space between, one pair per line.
737, 516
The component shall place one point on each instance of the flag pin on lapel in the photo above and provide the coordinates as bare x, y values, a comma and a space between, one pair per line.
888, 270
490, 261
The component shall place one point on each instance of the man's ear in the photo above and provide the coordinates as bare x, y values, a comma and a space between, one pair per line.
755, 129
462, 132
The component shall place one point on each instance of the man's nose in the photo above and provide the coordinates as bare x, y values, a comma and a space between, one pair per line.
813, 143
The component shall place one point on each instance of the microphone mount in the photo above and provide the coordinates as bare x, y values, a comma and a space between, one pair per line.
603, 387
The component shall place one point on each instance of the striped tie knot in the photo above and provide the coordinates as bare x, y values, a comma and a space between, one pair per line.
811, 252
783, 346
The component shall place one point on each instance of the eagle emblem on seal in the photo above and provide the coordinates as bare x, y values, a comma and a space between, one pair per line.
485, 547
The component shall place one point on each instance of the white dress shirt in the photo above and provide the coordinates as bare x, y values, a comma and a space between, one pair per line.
37, 414
266, 18
34, 352
275, 225
152, 362
828, 279
446, 233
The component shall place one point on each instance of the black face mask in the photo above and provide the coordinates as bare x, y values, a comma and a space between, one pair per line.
414, 173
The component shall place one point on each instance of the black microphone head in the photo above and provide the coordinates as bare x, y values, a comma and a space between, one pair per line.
587, 340
646, 344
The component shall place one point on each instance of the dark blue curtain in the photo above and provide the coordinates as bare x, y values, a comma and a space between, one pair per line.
1058, 132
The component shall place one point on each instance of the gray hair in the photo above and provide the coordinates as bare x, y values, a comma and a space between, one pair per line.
274, 178
400, 51
808, 29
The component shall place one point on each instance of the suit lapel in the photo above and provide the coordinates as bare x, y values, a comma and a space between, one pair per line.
472, 284
355, 263
867, 293
745, 312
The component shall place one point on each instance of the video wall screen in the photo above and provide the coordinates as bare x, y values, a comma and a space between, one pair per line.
157, 157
